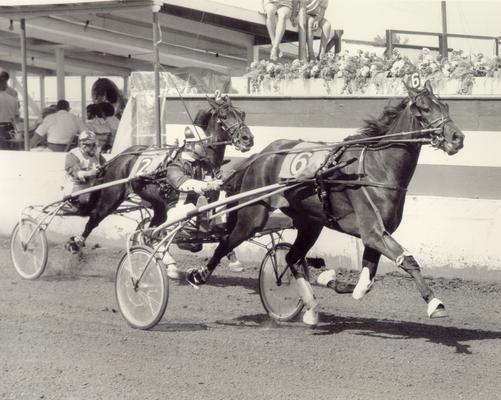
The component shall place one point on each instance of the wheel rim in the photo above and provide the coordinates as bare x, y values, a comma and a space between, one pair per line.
143, 306
29, 258
282, 302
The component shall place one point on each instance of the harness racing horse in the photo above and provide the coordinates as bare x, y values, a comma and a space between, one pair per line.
358, 190
223, 124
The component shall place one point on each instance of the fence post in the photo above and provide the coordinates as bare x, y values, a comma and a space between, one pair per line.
389, 43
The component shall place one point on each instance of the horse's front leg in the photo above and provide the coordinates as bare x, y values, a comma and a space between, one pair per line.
370, 260
249, 220
388, 246
307, 235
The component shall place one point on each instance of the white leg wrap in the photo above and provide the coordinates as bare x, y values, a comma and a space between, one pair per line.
310, 317
325, 277
363, 285
433, 305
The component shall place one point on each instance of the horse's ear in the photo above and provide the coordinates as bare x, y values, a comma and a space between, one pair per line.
212, 102
428, 87
227, 99
410, 90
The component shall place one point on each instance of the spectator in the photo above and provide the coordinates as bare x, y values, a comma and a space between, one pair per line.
9, 111
102, 121
4, 75
313, 20
277, 13
108, 112
97, 124
60, 128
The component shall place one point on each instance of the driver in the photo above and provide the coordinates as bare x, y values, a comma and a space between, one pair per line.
82, 164
186, 175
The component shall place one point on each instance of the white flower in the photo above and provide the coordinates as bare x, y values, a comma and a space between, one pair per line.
365, 71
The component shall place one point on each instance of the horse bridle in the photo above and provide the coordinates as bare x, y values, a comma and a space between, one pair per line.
435, 128
230, 130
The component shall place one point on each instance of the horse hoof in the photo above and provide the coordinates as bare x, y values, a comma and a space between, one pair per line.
310, 317
173, 272
235, 266
72, 246
326, 277
436, 309
363, 286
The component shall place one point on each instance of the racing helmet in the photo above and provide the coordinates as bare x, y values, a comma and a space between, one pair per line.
87, 137
194, 144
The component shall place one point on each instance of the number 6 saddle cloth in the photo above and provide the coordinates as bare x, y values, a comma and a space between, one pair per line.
303, 161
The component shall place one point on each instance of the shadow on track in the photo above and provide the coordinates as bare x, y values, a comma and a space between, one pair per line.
179, 327
402, 330
371, 327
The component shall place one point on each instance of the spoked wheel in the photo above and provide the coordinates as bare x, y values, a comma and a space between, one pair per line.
277, 286
142, 289
137, 238
28, 249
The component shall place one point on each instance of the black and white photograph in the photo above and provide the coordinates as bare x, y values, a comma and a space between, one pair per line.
250, 199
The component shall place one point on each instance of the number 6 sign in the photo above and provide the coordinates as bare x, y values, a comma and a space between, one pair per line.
300, 162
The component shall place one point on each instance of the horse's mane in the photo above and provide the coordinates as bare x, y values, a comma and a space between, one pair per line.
380, 126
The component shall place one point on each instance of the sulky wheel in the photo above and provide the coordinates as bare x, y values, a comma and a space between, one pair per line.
28, 249
142, 288
277, 286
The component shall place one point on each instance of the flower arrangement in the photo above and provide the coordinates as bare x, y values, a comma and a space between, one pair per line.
358, 71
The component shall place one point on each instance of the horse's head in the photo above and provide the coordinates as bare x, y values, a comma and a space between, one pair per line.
231, 121
433, 114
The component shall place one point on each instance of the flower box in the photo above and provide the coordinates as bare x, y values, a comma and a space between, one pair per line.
481, 86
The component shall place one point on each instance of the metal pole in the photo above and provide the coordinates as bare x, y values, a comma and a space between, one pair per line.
83, 98
25, 87
61, 90
444, 45
156, 69
389, 43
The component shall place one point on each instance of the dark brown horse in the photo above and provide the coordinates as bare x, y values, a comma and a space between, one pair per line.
362, 190
223, 124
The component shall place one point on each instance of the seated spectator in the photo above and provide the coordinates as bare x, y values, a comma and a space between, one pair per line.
4, 75
60, 128
312, 19
9, 112
97, 124
277, 13
108, 112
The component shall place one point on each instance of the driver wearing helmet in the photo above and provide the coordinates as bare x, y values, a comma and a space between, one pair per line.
186, 172
82, 164
186, 175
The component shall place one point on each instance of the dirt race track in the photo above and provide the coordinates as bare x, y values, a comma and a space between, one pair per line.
61, 337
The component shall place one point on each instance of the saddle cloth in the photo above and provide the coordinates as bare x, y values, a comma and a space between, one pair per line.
303, 164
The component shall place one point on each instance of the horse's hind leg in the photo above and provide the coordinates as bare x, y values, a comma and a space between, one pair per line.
248, 222
108, 201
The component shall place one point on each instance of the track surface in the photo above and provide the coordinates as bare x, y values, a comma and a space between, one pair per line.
61, 337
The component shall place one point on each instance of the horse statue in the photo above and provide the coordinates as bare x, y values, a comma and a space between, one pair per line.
358, 188
223, 124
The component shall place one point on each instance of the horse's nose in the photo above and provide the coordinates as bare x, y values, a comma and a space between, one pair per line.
246, 138
458, 139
